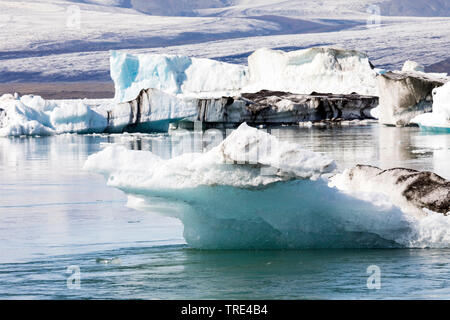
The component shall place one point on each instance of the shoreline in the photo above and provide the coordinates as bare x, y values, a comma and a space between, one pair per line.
61, 90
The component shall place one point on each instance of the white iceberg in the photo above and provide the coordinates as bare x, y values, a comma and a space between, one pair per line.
32, 115
257, 151
324, 70
439, 118
173, 74
253, 191
412, 66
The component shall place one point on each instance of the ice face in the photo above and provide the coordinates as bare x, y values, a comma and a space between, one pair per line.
324, 70
173, 74
242, 195
440, 117
32, 115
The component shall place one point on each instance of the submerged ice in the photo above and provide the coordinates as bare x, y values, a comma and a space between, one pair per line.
254, 191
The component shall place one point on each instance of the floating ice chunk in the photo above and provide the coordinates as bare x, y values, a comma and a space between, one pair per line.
228, 198
413, 66
263, 160
32, 115
17, 119
440, 117
173, 74
255, 147
323, 70
77, 117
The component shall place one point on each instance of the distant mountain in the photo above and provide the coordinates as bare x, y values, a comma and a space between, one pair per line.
163, 7
416, 8
176, 7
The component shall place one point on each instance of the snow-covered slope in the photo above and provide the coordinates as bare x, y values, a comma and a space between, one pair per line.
54, 40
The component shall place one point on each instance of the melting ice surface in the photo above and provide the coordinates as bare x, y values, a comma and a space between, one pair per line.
254, 191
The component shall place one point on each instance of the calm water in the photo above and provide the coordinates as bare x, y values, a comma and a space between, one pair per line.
54, 215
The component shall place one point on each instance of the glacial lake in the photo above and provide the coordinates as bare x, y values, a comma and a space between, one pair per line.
56, 218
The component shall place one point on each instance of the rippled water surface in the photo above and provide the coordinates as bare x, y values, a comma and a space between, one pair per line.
54, 215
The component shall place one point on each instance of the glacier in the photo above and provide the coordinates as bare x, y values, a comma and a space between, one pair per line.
253, 191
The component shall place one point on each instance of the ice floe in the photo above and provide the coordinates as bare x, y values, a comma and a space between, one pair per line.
253, 191
32, 115
440, 116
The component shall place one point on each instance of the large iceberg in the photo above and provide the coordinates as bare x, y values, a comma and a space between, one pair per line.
253, 191
324, 70
173, 74
31, 115
153, 90
439, 118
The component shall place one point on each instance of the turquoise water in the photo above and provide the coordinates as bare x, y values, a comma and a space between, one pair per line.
54, 215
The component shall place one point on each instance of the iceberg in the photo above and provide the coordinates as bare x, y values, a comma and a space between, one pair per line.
220, 90
324, 70
173, 74
153, 110
254, 191
406, 94
439, 119
412, 66
154, 90
275, 107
